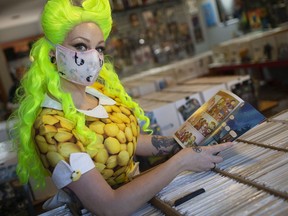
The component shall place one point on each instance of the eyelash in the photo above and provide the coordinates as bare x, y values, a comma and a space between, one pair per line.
77, 46
100, 49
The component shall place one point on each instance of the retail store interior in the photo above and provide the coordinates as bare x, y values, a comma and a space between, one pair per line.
166, 53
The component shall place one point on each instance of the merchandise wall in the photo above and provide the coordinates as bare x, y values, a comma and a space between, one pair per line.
150, 34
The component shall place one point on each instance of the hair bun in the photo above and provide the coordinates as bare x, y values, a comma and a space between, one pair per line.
102, 11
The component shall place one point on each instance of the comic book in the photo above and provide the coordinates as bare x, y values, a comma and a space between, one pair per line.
223, 118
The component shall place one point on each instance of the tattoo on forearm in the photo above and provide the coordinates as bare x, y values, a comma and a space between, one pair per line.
165, 145
197, 149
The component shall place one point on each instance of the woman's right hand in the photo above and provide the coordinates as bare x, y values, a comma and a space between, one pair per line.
201, 158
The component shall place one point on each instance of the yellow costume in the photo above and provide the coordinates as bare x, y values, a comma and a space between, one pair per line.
112, 154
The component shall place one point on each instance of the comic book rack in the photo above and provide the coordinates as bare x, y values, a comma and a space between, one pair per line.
252, 179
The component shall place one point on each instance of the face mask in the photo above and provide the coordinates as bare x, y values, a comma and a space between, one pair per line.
79, 67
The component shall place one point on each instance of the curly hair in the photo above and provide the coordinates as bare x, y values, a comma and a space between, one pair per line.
58, 19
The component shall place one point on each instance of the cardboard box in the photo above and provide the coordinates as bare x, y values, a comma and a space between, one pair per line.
163, 116
186, 69
234, 49
160, 81
258, 46
8, 157
202, 62
138, 88
164, 96
230, 81
241, 85
187, 106
206, 91
185, 103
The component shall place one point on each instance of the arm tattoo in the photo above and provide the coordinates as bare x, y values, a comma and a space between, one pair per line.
165, 145
197, 149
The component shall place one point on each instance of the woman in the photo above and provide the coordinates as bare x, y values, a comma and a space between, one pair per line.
85, 137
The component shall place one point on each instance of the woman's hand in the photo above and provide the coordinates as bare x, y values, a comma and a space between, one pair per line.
201, 158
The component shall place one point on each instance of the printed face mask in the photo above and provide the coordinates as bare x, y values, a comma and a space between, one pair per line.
79, 67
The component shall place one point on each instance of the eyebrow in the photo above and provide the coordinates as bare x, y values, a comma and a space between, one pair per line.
77, 38
87, 40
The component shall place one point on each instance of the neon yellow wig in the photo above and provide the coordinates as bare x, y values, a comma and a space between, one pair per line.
58, 18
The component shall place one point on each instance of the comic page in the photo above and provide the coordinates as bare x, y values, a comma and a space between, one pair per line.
240, 121
202, 123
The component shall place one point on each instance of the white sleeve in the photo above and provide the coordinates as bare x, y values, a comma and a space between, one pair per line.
64, 173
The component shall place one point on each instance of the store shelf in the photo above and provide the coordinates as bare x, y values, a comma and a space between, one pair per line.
146, 6
259, 65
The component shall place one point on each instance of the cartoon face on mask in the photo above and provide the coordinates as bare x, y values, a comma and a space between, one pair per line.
79, 67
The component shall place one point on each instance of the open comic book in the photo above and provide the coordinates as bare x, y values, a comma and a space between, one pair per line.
223, 118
